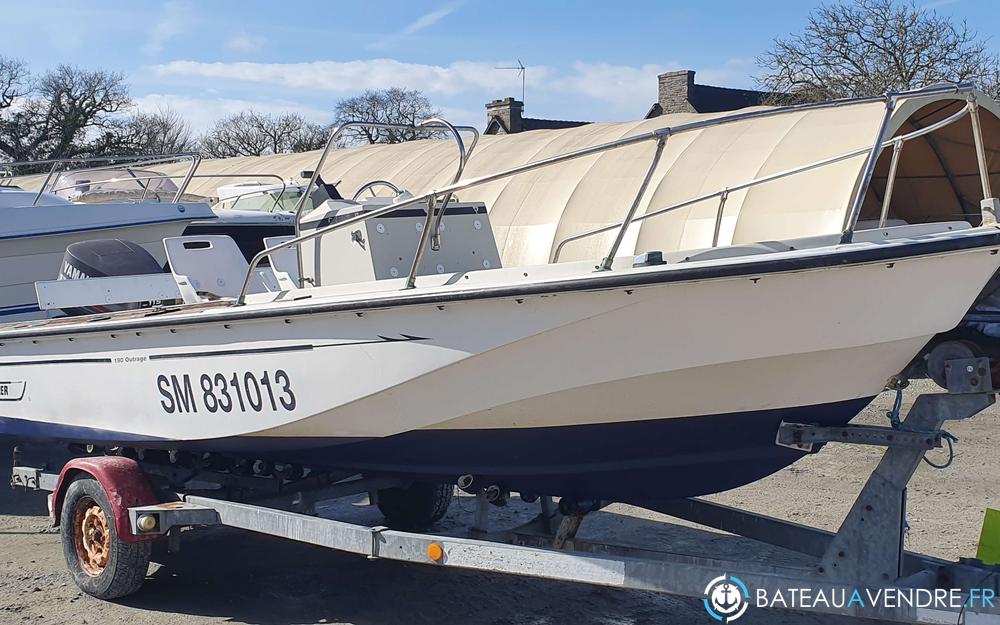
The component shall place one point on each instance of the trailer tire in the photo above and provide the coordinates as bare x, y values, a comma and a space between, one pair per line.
416, 507
102, 565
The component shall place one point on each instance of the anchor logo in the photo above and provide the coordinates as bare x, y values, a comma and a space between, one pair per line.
726, 598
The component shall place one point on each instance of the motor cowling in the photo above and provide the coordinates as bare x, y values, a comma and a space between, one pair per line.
102, 258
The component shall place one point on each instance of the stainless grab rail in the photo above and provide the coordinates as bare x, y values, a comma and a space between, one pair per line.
654, 135
726, 191
341, 128
335, 134
988, 211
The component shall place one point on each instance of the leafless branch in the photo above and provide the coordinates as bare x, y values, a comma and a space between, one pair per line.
869, 47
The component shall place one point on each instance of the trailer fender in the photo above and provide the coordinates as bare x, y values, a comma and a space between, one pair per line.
122, 480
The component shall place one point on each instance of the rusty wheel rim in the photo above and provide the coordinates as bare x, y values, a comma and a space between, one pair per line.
92, 535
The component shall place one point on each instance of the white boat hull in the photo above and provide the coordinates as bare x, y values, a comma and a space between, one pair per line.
677, 381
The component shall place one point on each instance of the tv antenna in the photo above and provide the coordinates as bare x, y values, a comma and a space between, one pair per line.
520, 68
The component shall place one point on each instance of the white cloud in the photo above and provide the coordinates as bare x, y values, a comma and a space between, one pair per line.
587, 91
202, 112
243, 42
431, 18
352, 76
422, 22
622, 90
626, 90
736, 72
174, 18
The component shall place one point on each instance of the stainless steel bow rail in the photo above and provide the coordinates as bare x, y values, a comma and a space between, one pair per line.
660, 136
114, 162
896, 143
866, 553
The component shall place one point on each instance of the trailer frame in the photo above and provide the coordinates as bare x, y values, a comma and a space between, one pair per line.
866, 553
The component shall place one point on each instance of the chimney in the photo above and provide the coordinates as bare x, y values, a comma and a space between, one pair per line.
508, 111
676, 92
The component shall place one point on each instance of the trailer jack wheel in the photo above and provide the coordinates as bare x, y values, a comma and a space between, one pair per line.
102, 565
415, 507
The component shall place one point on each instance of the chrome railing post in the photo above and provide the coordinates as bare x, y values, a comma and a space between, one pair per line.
411, 280
195, 161
988, 206
334, 135
890, 181
661, 141
723, 196
977, 133
45, 182
306, 194
851, 219
463, 159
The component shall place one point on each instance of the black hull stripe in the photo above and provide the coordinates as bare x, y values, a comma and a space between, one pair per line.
596, 282
288, 348
231, 352
228, 352
62, 361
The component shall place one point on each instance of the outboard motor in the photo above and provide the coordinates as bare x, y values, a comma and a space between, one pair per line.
106, 257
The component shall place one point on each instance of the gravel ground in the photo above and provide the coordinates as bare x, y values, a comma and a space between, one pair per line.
225, 576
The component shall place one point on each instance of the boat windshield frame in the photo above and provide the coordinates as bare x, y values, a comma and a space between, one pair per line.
112, 163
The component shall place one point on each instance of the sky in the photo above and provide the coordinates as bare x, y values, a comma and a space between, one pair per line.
592, 61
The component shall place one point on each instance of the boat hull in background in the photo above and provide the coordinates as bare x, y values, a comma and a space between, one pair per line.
33, 250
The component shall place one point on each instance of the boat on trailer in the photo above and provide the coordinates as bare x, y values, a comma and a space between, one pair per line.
401, 344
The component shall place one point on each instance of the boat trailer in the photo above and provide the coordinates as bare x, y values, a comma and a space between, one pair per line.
864, 557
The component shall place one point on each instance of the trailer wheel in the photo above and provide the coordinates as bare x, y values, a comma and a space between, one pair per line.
416, 507
102, 565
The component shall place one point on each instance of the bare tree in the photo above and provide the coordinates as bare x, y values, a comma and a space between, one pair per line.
393, 106
869, 47
310, 137
163, 131
250, 133
57, 114
13, 81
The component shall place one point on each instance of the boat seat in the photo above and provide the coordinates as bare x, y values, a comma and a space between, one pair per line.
286, 260
216, 267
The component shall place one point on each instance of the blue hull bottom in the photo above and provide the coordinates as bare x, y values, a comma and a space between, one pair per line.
628, 462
